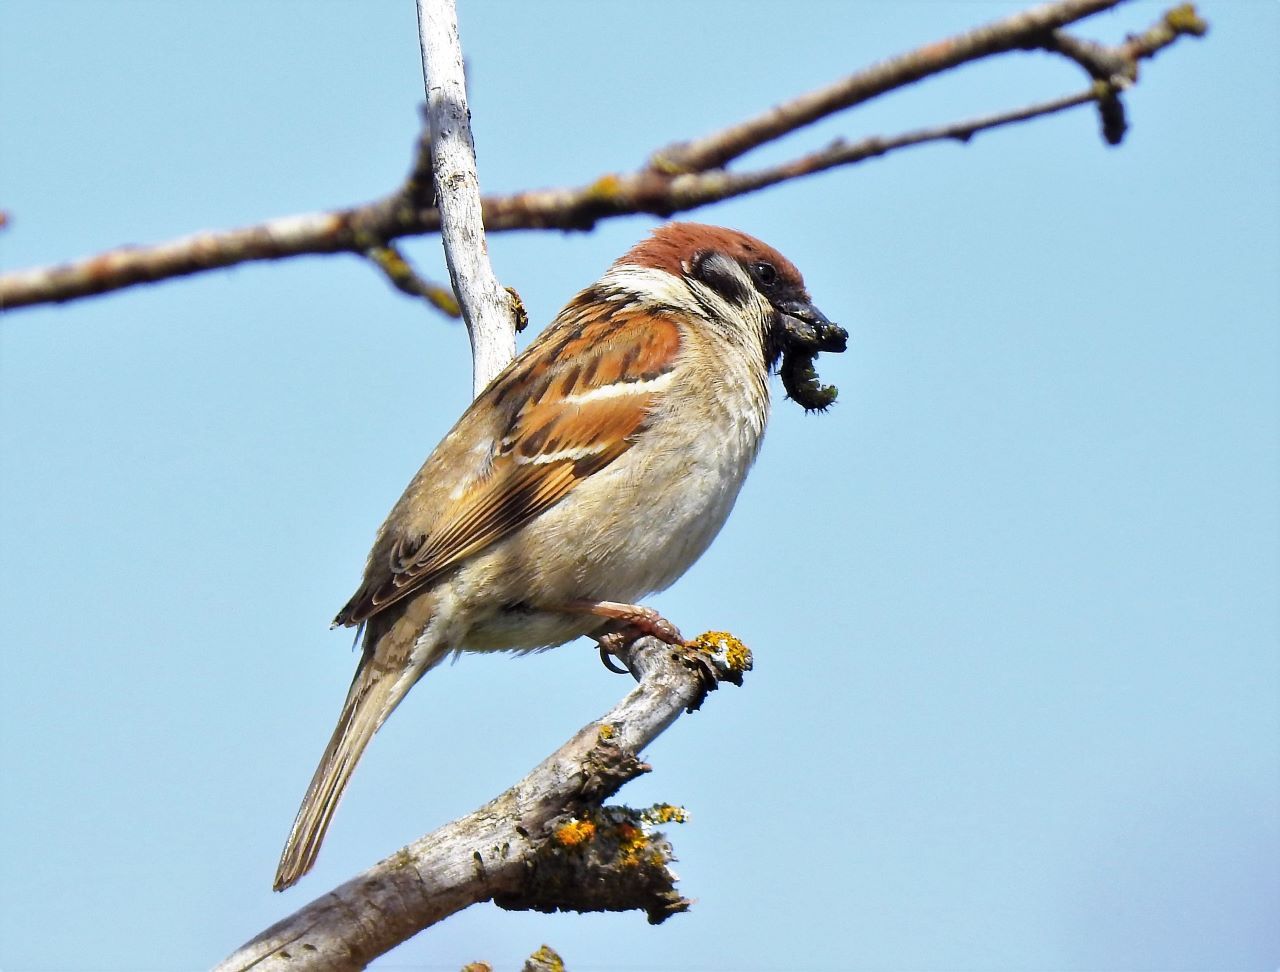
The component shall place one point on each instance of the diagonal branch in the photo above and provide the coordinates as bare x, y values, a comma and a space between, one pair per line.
681, 177
1010, 33
646, 192
547, 843
401, 275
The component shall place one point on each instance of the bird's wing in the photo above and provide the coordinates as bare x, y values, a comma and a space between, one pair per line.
572, 403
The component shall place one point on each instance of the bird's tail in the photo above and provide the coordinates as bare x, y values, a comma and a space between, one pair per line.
375, 691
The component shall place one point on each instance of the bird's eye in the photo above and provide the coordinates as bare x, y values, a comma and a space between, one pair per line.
765, 274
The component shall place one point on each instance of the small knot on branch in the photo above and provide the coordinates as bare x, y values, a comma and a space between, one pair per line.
608, 766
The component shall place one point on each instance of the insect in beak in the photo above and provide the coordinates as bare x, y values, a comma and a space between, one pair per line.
805, 332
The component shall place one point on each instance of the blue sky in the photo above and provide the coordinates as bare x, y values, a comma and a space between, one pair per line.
1013, 601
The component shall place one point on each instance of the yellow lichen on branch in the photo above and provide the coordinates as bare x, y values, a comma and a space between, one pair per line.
1185, 19
665, 813
736, 654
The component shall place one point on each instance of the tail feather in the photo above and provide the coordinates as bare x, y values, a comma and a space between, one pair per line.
374, 692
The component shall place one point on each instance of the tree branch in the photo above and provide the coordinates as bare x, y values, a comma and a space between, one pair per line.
678, 179
1010, 33
1115, 69
545, 844
486, 306
405, 279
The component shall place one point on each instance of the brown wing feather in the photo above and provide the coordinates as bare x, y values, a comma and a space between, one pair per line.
549, 445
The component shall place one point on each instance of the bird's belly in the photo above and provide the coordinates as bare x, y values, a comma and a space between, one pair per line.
655, 520
649, 522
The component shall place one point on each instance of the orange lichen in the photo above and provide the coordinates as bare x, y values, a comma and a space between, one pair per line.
575, 832
632, 842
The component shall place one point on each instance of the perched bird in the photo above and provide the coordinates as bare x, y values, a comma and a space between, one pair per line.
593, 471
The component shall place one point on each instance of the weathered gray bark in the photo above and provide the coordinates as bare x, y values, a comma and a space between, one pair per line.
486, 307
548, 843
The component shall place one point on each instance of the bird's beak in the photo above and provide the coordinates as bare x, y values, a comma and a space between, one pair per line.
806, 329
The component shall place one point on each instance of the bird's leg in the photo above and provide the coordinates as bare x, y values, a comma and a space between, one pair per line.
632, 621
626, 623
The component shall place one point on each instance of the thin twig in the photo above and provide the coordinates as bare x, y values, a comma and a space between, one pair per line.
1115, 69
486, 306
409, 211
404, 278
614, 196
1010, 33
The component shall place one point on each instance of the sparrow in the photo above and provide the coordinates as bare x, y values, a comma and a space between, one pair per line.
592, 472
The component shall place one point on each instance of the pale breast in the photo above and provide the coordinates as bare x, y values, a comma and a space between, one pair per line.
637, 525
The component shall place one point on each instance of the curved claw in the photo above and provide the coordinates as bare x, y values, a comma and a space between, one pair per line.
606, 659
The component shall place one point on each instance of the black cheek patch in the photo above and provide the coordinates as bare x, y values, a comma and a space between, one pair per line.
714, 270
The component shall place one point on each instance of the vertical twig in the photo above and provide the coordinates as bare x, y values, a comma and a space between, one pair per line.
486, 307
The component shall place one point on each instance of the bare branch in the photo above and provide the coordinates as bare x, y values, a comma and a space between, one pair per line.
691, 190
1011, 33
1103, 63
123, 267
486, 306
1116, 68
662, 188
546, 843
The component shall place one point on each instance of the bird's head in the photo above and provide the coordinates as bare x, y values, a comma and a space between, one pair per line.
752, 292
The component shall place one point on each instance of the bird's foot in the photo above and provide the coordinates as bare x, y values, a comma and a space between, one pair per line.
633, 620
627, 623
